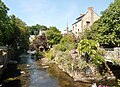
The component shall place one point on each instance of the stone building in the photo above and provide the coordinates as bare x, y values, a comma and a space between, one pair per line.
84, 21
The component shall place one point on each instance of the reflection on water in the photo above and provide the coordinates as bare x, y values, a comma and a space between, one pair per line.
35, 76
40, 77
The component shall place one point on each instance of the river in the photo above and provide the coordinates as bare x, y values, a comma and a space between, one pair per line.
30, 73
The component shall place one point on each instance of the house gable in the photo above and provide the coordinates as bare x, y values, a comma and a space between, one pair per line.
84, 21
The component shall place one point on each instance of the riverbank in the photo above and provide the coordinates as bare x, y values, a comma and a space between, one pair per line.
30, 72
34, 73
81, 76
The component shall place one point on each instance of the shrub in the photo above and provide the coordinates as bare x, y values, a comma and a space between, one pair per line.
49, 55
39, 54
90, 50
65, 47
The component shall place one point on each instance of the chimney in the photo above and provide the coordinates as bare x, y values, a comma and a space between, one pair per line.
90, 9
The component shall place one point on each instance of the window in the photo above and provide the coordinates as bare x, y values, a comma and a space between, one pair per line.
87, 23
75, 25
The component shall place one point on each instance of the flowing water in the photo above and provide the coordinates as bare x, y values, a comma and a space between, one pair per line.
30, 73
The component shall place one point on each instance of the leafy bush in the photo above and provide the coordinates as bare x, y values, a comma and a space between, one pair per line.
53, 35
39, 54
60, 47
49, 55
64, 47
90, 50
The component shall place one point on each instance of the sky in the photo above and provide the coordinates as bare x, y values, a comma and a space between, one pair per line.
57, 13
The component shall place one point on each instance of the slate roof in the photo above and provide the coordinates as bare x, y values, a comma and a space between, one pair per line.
79, 19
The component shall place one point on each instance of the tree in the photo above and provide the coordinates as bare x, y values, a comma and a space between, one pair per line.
67, 43
68, 38
107, 29
6, 30
13, 32
34, 30
53, 35
40, 43
21, 34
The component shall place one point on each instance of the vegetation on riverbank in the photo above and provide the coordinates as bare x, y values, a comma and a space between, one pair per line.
13, 32
90, 57
85, 64
79, 59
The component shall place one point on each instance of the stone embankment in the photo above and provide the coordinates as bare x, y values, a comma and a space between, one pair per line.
77, 68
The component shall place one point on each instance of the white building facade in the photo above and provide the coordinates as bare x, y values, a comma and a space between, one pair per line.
84, 21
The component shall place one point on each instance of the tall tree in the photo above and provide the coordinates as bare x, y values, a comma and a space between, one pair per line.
107, 29
53, 35
6, 30
21, 34
34, 30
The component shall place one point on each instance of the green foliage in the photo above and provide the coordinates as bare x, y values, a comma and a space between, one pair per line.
60, 47
13, 31
87, 46
34, 30
85, 34
63, 58
21, 34
6, 30
68, 38
53, 35
49, 55
106, 30
67, 43
90, 50
68, 62
39, 54
64, 47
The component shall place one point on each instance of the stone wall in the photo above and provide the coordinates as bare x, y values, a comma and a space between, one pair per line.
112, 52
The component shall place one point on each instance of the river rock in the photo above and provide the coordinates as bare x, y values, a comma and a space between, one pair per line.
22, 72
45, 67
28, 65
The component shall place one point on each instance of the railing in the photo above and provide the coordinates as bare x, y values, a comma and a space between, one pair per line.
112, 52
